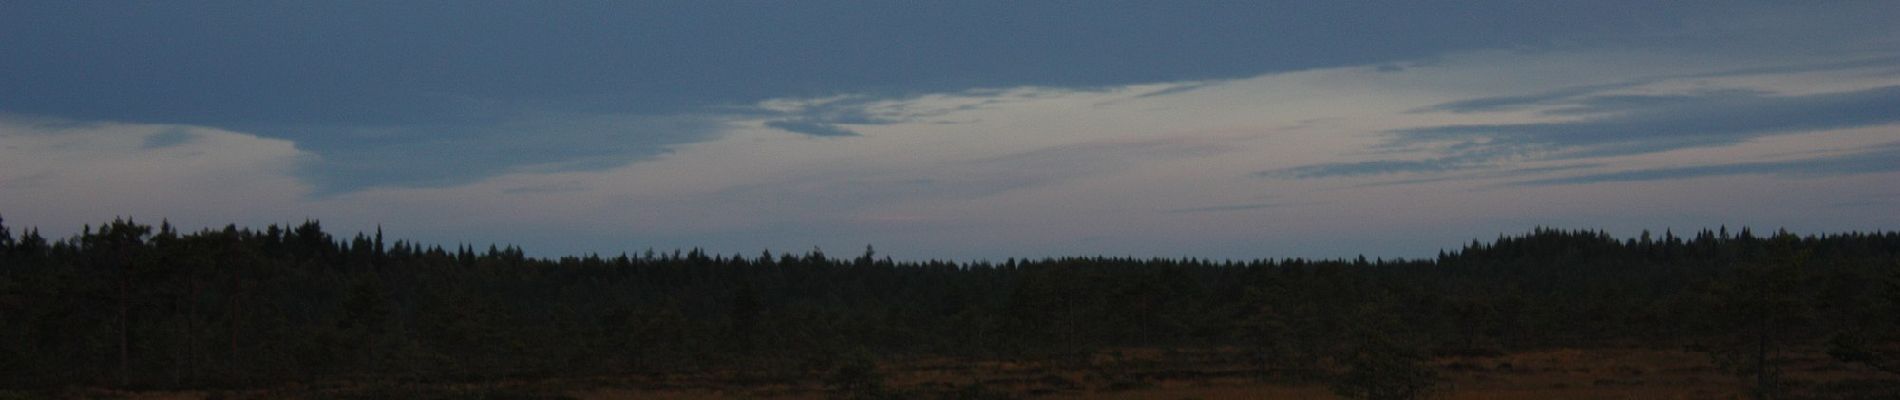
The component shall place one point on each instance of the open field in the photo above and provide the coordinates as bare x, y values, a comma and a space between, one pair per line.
1615, 373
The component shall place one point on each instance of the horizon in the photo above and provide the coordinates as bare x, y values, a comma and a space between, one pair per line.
340, 238
965, 131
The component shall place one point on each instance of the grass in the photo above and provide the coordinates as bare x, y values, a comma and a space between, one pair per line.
1604, 373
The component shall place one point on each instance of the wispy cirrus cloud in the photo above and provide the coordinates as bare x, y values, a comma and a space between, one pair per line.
833, 116
1510, 102
1514, 172
1243, 206
1623, 125
1568, 95
1607, 125
1878, 160
812, 127
1459, 159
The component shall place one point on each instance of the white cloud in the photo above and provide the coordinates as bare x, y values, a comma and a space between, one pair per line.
1015, 171
60, 174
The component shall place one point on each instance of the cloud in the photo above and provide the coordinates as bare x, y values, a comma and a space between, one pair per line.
1054, 164
1456, 162
59, 173
1240, 207
1178, 88
1488, 175
409, 95
440, 155
546, 188
1607, 125
1569, 94
1879, 160
655, 130
965, 178
811, 127
1500, 103
1648, 124
167, 138
825, 117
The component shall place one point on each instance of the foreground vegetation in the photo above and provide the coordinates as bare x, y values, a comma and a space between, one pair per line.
131, 306
1598, 373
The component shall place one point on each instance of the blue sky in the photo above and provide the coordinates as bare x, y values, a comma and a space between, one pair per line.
961, 129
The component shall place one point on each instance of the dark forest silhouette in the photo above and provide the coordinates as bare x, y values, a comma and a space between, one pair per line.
130, 305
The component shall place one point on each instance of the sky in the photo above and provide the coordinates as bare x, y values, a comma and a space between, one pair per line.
954, 130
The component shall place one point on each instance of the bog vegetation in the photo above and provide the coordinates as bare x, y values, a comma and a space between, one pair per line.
130, 305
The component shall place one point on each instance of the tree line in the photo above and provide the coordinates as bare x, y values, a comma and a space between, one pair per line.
125, 304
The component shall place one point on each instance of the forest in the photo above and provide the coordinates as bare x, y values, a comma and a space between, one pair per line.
133, 306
